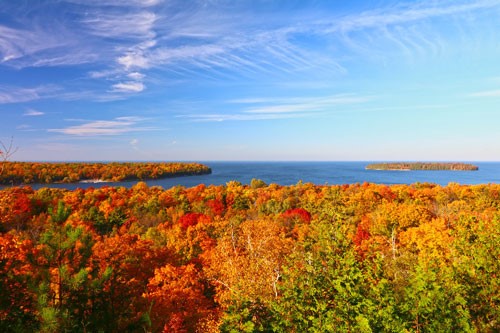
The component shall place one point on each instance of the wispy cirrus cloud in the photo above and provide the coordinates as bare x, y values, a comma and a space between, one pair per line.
407, 13
211, 47
414, 30
12, 95
16, 43
33, 40
292, 105
116, 126
113, 25
214, 117
282, 108
100, 32
125, 40
54, 58
33, 113
138, 30
118, 3
19, 95
486, 93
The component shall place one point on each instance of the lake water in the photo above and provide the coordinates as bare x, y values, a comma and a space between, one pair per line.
321, 173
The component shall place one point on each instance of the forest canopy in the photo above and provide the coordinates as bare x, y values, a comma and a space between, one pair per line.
237, 258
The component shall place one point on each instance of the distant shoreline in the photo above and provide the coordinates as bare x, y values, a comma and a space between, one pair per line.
422, 166
17, 173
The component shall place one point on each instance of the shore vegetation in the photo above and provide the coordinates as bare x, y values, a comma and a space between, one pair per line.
451, 166
15, 173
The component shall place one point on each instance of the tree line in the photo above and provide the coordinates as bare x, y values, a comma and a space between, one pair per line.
46, 172
453, 166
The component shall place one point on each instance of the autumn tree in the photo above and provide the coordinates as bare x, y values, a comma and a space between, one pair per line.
245, 269
301, 258
125, 263
178, 298
17, 300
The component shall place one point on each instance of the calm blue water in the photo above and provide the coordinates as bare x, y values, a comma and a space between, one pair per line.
287, 173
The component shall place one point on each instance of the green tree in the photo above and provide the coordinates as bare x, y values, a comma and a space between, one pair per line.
257, 183
64, 282
324, 286
476, 266
433, 302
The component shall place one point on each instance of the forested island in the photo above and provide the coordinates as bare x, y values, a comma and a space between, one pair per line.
46, 172
251, 258
450, 166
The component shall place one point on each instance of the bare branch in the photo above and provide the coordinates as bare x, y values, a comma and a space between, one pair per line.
6, 151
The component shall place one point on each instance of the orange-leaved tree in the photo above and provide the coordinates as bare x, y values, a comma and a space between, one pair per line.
178, 298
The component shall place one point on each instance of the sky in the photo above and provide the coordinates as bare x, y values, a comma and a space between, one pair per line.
264, 80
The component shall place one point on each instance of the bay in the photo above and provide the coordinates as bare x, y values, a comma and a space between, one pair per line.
320, 173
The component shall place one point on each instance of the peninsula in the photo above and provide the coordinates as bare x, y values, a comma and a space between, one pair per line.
403, 166
47, 172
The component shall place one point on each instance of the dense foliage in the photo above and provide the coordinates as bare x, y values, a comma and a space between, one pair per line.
237, 258
423, 166
45, 173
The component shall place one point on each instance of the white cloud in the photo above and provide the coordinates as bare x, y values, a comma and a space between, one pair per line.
292, 105
43, 42
104, 73
115, 126
8, 57
112, 34
129, 87
283, 108
405, 14
136, 76
16, 43
256, 100
487, 93
242, 117
134, 144
133, 60
33, 113
54, 58
131, 118
118, 3
125, 38
19, 95
217, 44
134, 29
119, 25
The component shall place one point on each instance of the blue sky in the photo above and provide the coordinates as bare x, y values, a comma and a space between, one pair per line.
250, 80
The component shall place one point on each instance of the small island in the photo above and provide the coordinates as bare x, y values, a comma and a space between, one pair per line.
431, 166
14, 173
